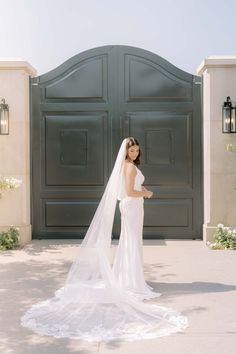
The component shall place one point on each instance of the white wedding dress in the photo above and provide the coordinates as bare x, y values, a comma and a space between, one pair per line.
100, 301
128, 263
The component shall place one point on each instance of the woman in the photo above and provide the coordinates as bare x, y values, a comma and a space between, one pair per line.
100, 301
128, 264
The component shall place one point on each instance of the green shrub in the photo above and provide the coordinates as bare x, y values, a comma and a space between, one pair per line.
224, 238
9, 239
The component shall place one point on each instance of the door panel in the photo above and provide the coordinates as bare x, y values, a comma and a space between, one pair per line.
169, 213
75, 149
166, 143
67, 213
87, 80
146, 80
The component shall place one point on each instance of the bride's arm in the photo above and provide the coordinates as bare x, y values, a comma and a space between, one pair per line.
130, 173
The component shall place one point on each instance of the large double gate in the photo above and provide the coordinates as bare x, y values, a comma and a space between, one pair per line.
81, 111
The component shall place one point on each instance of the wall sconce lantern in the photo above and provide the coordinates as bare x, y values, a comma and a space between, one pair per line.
4, 117
228, 117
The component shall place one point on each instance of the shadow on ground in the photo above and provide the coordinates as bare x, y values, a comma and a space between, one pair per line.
22, 285
197, 287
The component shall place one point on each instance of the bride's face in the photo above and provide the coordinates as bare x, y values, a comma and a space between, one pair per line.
133, 152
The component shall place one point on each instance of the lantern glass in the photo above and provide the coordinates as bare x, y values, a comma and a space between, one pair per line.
233, 121
226, 119
4, 118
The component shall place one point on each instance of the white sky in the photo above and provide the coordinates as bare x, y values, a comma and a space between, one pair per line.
48, 32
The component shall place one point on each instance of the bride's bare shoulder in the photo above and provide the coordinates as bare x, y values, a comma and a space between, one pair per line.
129, 167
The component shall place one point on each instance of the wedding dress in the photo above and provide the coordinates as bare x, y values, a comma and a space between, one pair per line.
100, 301
128, 263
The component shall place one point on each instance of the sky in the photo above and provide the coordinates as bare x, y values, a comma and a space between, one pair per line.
46, 33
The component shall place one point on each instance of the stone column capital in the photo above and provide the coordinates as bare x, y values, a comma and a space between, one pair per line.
17, 64
217, 61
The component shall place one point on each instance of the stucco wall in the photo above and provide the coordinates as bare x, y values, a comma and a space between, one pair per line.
15, 147
219, 81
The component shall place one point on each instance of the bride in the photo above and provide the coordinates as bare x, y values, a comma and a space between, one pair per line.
128, 264
101, 301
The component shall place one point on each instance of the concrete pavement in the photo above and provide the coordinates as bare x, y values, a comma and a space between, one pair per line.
193, 279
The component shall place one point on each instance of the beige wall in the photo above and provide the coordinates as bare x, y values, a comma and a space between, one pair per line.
15, 147
219, 81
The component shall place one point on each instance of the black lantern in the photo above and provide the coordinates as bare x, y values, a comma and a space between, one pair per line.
228, 117
4, 117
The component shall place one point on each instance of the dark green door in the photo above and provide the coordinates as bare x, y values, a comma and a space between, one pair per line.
80, 113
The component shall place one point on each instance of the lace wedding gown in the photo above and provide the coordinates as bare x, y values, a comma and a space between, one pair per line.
101, 302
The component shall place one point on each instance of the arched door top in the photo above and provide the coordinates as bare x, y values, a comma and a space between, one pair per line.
126, 50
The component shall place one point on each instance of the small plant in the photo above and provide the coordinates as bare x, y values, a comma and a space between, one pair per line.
9, 239
224, 238
8, 183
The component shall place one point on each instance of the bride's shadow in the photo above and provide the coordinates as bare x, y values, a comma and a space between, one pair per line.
169, 290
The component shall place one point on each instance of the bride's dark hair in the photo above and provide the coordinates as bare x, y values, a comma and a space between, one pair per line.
132, 142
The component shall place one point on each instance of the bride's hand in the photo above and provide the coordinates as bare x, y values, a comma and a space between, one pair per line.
148, 194
144, 189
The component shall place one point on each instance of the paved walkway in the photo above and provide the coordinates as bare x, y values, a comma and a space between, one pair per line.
199, 282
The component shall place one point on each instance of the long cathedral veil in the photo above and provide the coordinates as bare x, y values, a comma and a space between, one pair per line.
90, 274
91, 305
